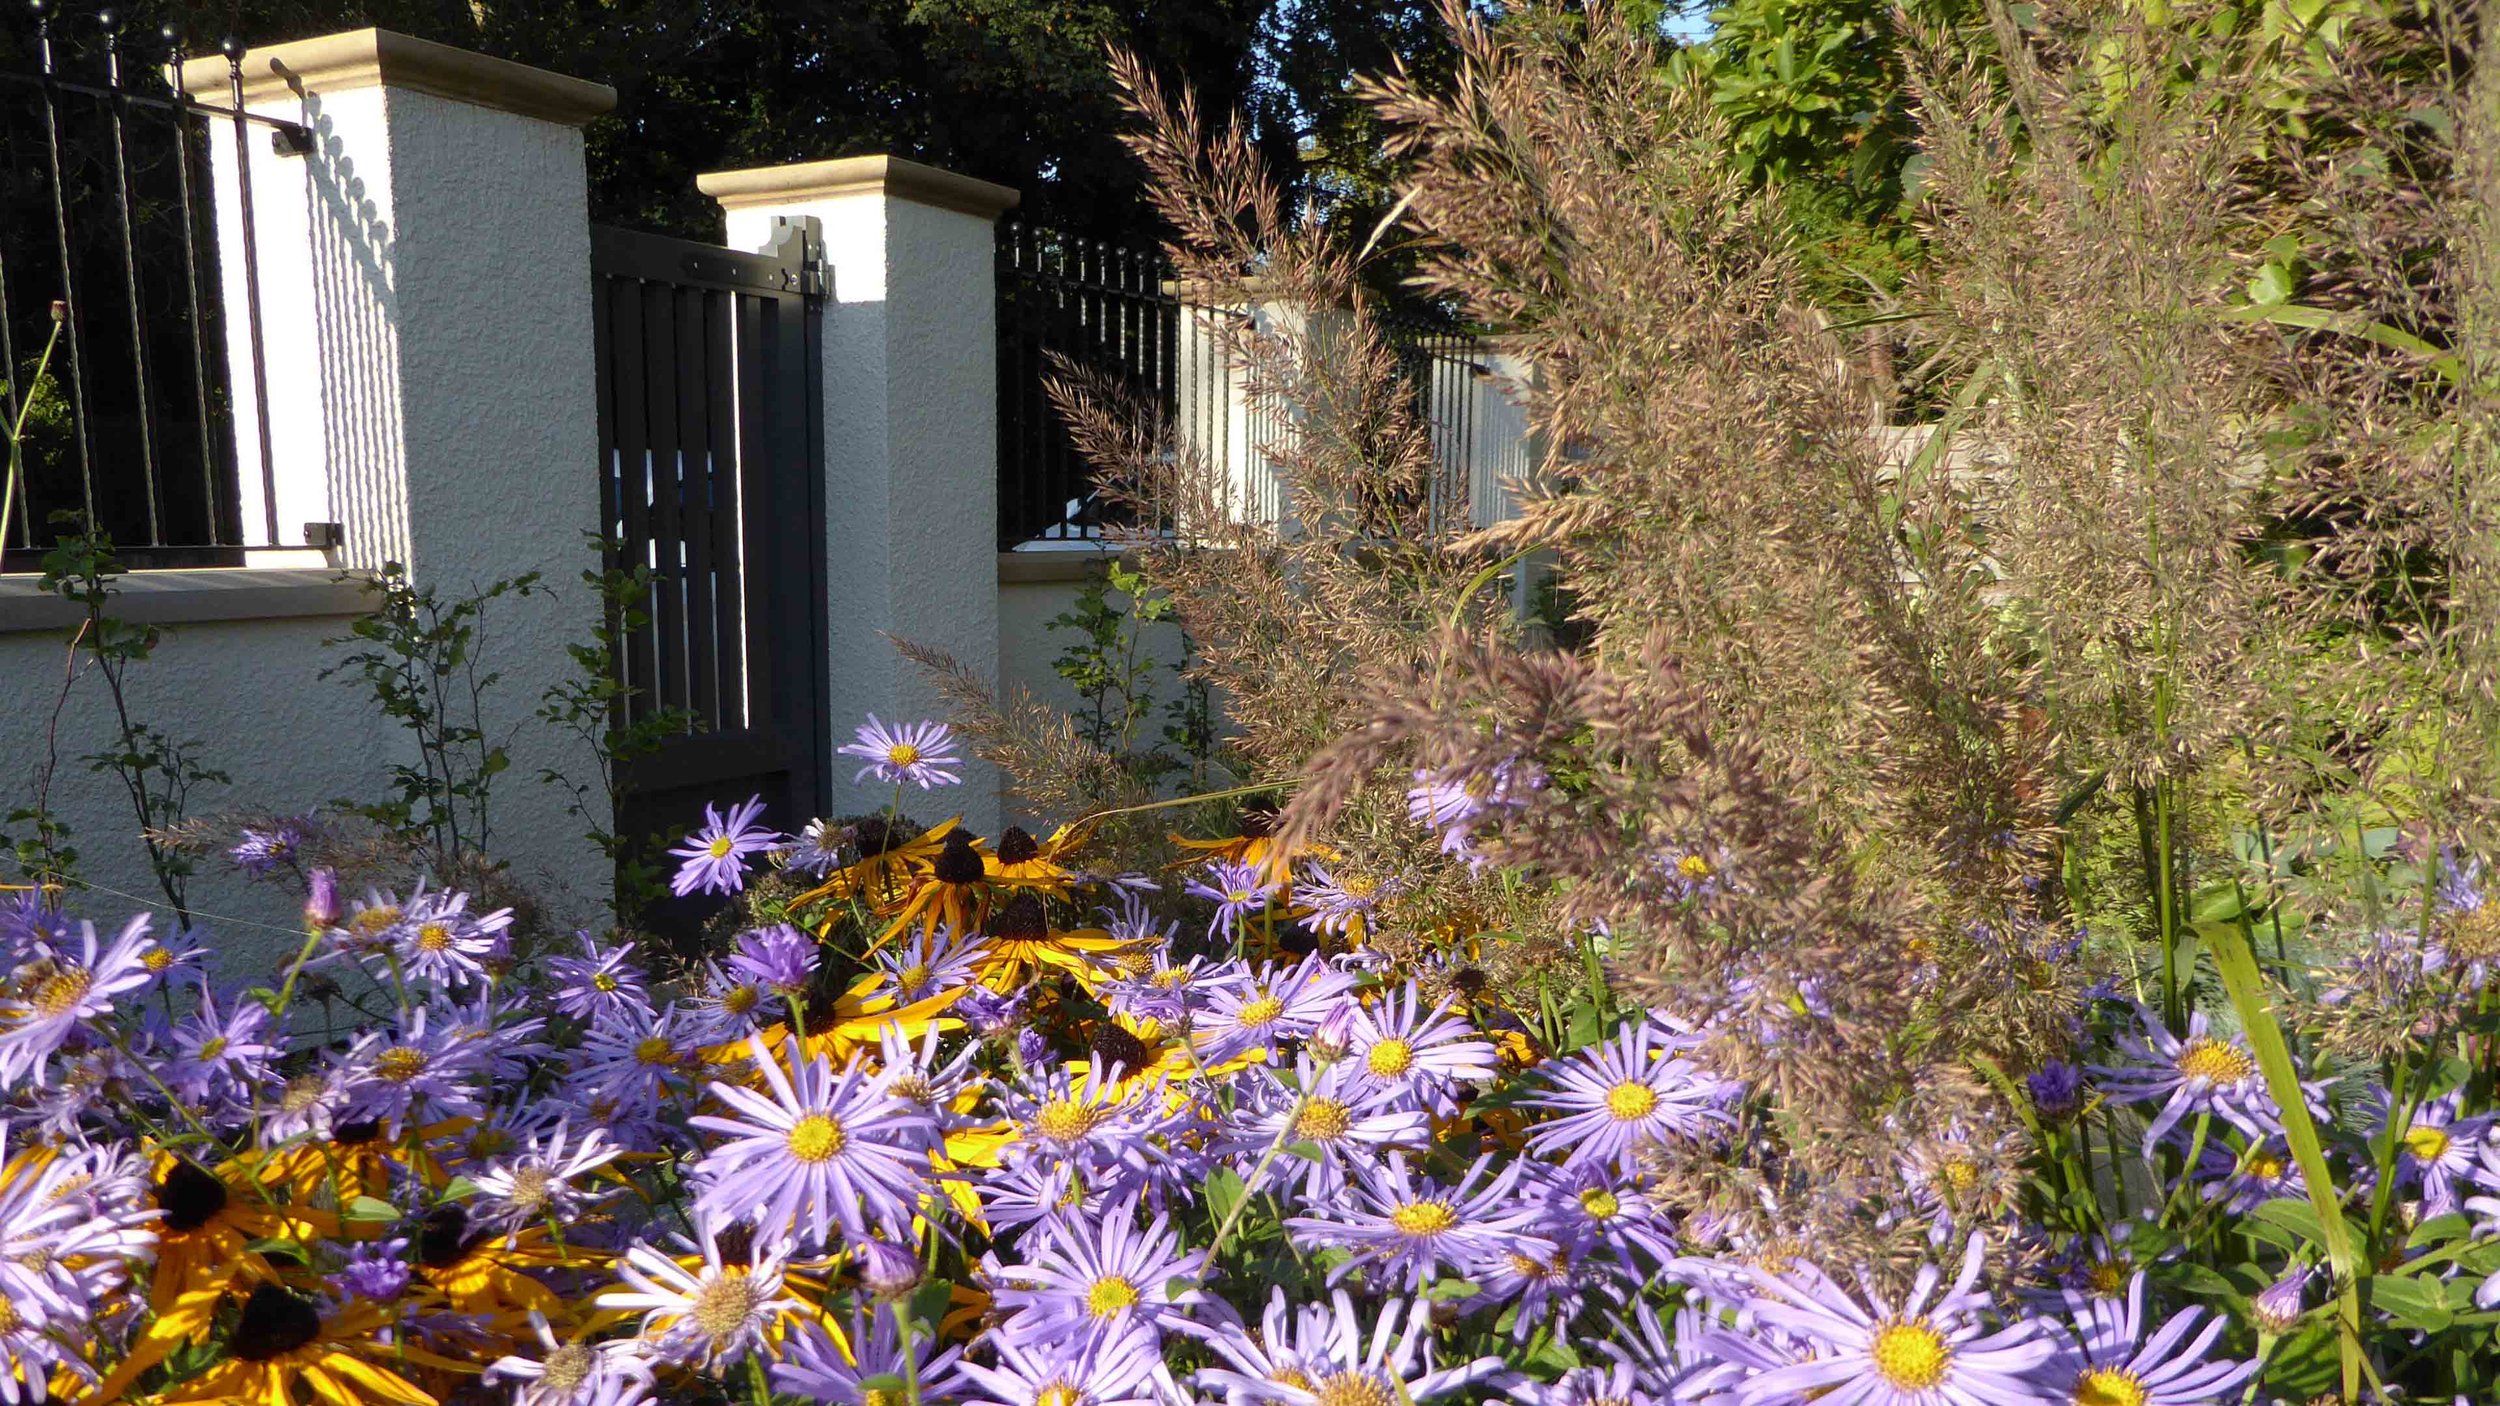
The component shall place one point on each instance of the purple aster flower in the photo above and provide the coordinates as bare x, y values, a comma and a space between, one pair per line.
1325, 1353
817, 1368
931, 964
712, 1314
1115, 1132
1414, 1058
1631, 1090
779, 958
1091, 1369
825, 1150
1238, 891
1259, 1008
886, 1270
2278, 1307
2438, 1150
2203, 1074
576, 1373
1101, 1276
1455, 806
727, 1007
536, 1183
60, 984
440, 941
1539, 1285
632, 1060
1584, 1208
1931, 1351
1041, 1190
817, 850
434, 1065
1617, 1385
2110, 1366
2243, 1181
378, 1271
715, 856
920, 753
218, 1056
1408, 1227
1325, 1118
2057, 1090
1337, 904
322, 907
602, 981
265, 850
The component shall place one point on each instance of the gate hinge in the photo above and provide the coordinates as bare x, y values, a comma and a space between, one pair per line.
815, 280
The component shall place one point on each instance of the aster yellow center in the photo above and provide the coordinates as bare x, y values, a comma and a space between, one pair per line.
369, 921
214, 1046
903, 754
1600, 1203
1065, 1120
1910, 1356
2110, 1386
158, 960
2106, 1277
654, 1049
566, 1368
1390, 1058
433, 937
816, 1137
1353, 1389
720, 847
1290, 1377
1058, 1394
1527, 1266
400, 1064
879, 1396
914, 977
603, 982
302, 1092
1262, 1011
61, 992
1323, 1120
1960, 1175
2265, 1167
1423, 1218
1239, 896
1171, 978
1110, 1295
1629, 1100
530, 1189
2213, 1061
723, 1305
2426, 1143
1693, 866
738, 1000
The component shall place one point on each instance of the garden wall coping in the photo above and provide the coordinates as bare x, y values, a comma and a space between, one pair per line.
194, 596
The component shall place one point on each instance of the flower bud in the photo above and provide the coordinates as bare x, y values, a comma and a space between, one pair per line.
2280, 1305
1335, 1035
886, 1270
322, 909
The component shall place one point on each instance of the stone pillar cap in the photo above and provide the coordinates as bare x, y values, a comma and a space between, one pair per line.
382, 58
890, 176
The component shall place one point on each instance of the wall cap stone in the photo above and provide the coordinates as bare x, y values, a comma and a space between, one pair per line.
891, 176
382, 58
195, 596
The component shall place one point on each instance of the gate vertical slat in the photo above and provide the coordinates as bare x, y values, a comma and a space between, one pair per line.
667, 537
694, 429
633, 439
729, 579
757, 367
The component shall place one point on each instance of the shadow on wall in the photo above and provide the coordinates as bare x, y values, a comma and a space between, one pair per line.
354, 306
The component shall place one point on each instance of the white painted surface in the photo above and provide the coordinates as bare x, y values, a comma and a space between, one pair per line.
911, 444
425, 280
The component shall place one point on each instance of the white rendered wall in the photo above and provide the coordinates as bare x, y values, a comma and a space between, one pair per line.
910, 446
425, 295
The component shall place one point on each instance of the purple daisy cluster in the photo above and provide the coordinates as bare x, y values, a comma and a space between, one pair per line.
1197, 1160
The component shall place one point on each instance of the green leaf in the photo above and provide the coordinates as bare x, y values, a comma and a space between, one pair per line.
885, 1382
1224, 1192
2240, 977
2414, 1303
369, 1208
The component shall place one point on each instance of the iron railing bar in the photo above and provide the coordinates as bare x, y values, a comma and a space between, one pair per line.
233, 50
72, 325
191, 286
130, 282
278, 125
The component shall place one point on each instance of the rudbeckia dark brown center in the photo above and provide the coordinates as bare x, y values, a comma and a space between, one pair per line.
958, 862
1470, 981
875, 835
1021, 919
444, 1237
190, 1197
1258, 819
275, 1322
1016, 845
1122, 1052
363, 1130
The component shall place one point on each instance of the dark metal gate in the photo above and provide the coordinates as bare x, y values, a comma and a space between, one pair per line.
708, 451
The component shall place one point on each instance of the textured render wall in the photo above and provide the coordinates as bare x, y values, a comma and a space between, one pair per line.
246, 692
1027, 645
910, 445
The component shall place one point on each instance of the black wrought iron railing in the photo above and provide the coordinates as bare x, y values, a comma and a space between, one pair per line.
1119, 313
109, 258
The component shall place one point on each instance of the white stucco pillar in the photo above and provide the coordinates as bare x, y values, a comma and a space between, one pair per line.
425, 311
910, 373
